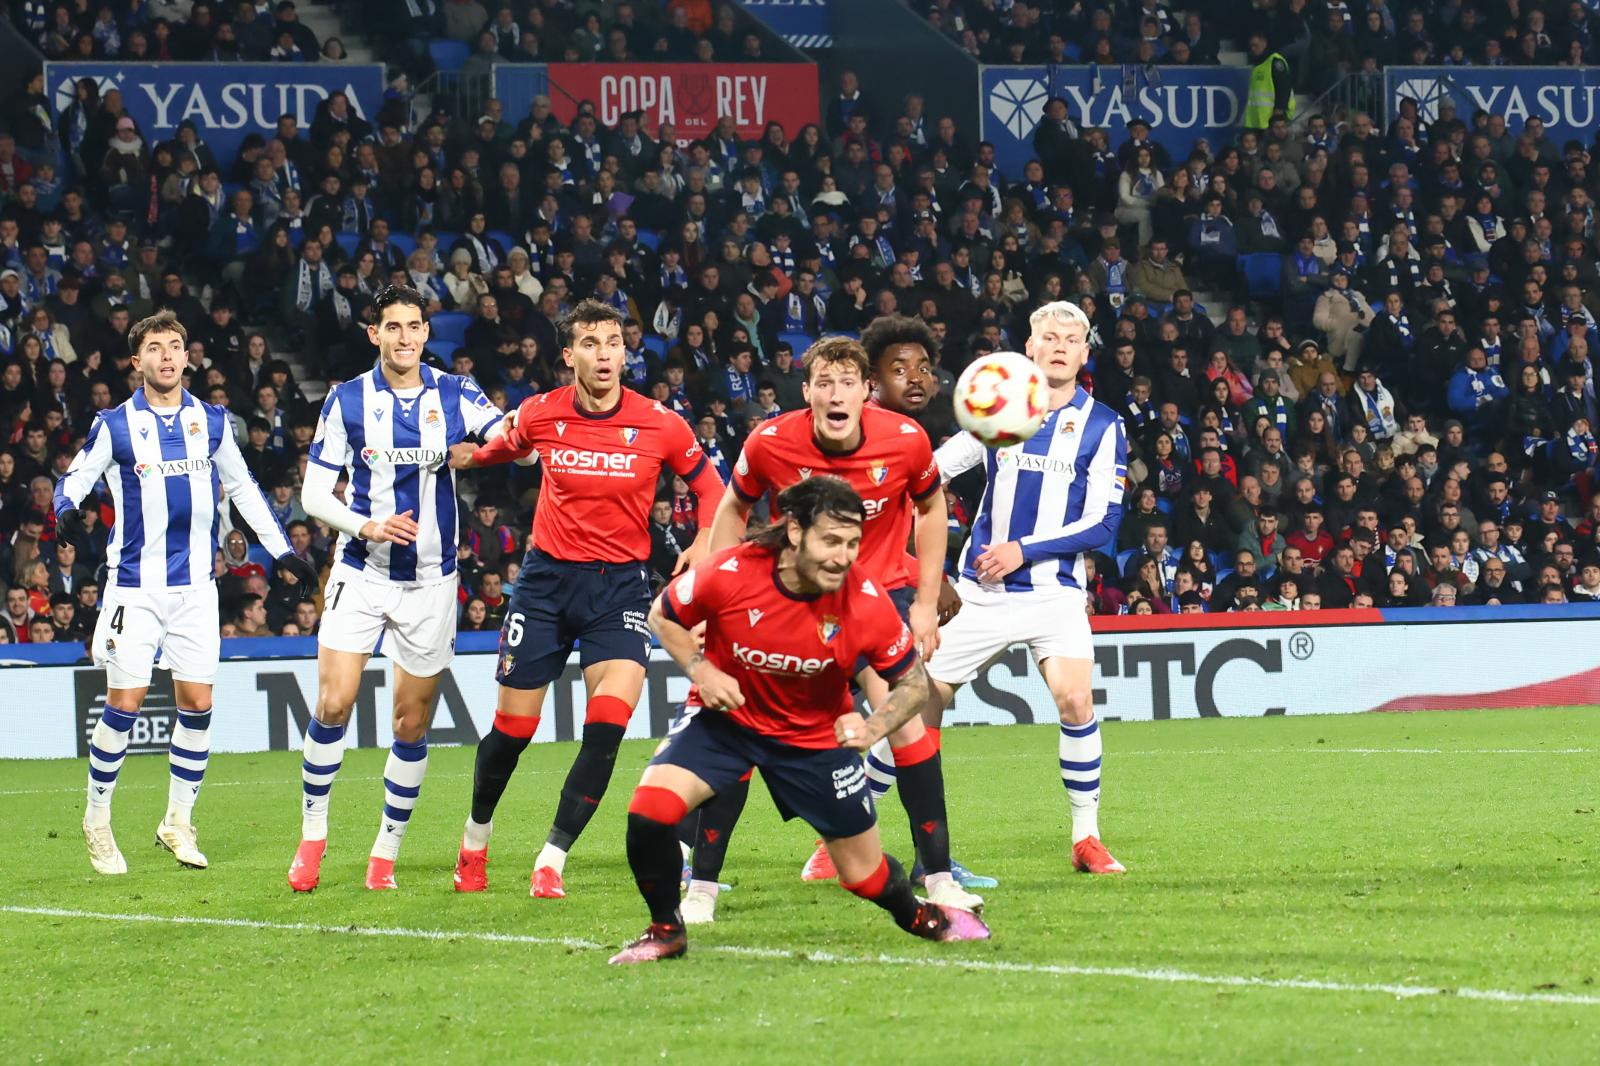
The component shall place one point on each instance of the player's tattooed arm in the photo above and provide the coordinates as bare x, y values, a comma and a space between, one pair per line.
907, 694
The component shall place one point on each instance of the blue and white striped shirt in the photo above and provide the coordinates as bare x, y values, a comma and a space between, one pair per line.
1059, 493
167, 473
396, 450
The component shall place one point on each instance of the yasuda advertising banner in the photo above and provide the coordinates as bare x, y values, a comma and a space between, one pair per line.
1182, 105
803, 23
225, 101
1564, 98
690, 96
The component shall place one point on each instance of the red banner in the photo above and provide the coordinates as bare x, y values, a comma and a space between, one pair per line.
691, 96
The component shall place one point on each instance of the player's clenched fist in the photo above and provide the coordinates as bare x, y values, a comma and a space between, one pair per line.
851, 731
718, 691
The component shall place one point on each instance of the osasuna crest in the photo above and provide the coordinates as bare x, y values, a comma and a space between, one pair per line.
630, 435
828, 628
877, 471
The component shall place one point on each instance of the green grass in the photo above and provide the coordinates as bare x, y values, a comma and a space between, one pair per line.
1258, 848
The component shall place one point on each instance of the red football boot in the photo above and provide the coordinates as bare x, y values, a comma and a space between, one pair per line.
306, 870
1089, 856
472, 869
820, 866
380, 874
546, 884
659, 942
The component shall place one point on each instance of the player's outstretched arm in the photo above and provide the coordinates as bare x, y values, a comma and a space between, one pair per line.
932, 535
504, 443
240, 486
718, 691
959, 454
731, 520
907, 694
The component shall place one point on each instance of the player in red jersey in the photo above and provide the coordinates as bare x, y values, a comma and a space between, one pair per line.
787, 621
886, 457
603, 448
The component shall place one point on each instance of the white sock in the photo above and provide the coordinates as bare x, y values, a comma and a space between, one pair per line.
476, 836
880, 768
107, 747
1080, 773
551, 856
710, 888
932, 881
186, 762
402, 784
324, 753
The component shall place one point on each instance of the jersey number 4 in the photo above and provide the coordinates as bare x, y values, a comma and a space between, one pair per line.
116, 621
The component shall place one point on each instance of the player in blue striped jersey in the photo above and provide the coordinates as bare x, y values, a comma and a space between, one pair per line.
1049, 501
168, 460
392, 430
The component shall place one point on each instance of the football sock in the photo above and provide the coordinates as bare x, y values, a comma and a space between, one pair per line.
1080, 773
890, 888
921, 774
687, 830
585, 786
498, 753
108, 744
323, 754
402, 784
717, 819
653, 849
880, 769
186, 759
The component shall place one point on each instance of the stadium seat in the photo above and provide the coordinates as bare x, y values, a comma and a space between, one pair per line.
347, 242
445, 350
656, 344
1163, 505
507, 241
259, 555
450, 326
650, 239
838, 333
404, 242
448, 56
797, 340
1124, 556
1262, 273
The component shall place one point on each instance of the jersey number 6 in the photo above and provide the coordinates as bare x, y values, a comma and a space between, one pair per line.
514, 629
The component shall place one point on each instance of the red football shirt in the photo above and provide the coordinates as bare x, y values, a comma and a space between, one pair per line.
601, 470
793, 656
891, 468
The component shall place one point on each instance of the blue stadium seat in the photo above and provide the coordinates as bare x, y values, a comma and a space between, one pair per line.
348, 242
448, 56
1123, 557
1263, 273
656, 344
507, 241
259, 555
405, 242
650, 239
445, 350
446, 239
796, 340
839, 333
449, 326
1163, 505
1223, 575
1219, 560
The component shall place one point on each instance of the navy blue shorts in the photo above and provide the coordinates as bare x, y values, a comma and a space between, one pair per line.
602, 607
825, 787
902, 598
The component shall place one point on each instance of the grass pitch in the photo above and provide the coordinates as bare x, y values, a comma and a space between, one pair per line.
1398, 888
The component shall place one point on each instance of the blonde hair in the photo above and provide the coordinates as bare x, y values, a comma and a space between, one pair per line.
1062, 311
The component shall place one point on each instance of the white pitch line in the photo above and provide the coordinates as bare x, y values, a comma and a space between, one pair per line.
1152, 753
1163, 975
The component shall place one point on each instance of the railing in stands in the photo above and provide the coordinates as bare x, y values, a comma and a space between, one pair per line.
1353, 92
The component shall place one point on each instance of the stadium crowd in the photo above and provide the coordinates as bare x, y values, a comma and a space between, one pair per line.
1407, 417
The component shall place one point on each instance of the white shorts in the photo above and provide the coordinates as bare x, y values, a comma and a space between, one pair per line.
176, 630
417, 622
1050, 623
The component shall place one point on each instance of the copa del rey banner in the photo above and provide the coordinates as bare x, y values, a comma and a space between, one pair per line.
225, 101
691, 96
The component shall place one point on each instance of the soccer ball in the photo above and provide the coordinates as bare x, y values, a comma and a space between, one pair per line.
1001, 399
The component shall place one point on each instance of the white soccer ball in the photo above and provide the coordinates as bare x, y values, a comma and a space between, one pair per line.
1002, 399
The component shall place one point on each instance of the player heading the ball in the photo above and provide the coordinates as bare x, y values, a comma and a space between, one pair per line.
163, 454
788, 621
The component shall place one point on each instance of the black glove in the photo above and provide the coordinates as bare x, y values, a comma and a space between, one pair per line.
69, 524
304, 574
